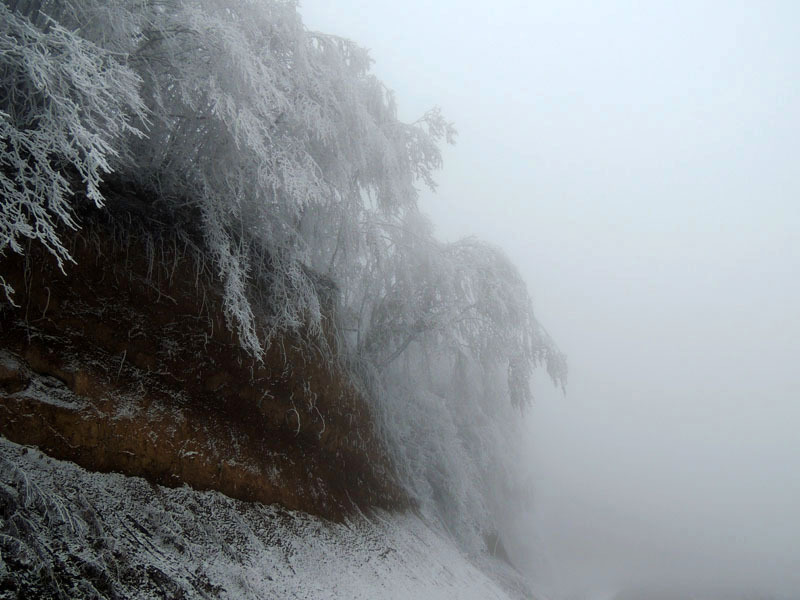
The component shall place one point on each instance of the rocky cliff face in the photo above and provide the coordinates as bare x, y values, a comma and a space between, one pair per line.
125, 364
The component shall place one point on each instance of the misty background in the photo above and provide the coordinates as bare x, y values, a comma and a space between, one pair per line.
637, 161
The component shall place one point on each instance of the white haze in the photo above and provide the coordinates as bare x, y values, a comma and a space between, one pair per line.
638, 162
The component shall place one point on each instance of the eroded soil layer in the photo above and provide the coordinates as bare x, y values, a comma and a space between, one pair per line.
125, 364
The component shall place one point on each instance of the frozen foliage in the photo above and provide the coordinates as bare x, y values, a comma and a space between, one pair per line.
284, 154
66, 533
271, 132
65, 107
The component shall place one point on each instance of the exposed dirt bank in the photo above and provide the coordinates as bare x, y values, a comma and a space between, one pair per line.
125, 364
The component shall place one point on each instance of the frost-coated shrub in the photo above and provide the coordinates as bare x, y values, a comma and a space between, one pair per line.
66, 109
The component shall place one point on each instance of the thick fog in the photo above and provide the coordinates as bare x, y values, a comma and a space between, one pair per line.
639, 163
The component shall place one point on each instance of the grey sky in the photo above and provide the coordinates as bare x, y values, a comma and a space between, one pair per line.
638, 161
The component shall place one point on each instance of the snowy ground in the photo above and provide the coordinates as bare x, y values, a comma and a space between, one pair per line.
66, 532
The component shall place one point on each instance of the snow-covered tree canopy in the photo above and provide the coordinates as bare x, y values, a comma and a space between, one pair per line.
287, 154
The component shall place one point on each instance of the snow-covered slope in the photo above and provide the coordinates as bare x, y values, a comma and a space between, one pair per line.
66, 532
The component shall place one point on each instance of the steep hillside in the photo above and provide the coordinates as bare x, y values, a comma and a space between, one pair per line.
214, 272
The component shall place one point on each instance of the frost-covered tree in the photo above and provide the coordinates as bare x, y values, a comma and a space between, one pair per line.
450, 336
464, 297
